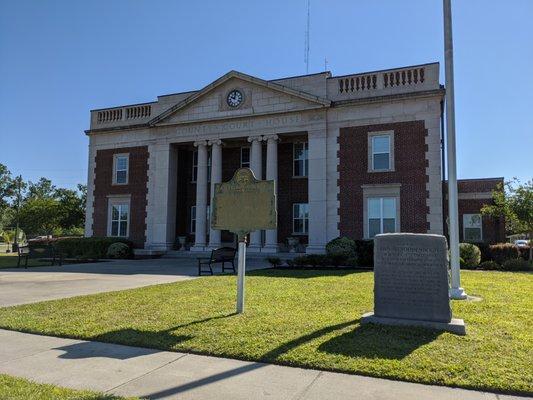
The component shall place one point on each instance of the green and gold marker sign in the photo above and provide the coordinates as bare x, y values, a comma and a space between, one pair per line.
244, 204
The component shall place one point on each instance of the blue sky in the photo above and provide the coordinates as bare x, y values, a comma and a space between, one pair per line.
59, 59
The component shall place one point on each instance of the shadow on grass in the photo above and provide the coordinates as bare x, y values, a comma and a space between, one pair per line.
379, 341
304, 273
98, 347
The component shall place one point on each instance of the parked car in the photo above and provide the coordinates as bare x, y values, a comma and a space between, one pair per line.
521, 243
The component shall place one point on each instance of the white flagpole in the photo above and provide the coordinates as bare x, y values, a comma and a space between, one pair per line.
456, 291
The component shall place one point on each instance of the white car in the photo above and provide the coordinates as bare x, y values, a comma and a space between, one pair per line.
521, 243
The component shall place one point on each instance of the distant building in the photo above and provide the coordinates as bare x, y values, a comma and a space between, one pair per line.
351, 155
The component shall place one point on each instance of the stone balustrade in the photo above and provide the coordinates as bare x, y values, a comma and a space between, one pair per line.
121, 115
381, 83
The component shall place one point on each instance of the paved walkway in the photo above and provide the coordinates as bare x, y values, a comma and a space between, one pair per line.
134, 371
20, 286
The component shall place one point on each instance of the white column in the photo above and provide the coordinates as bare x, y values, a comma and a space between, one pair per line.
201, 197
161, 199
216, 177
317, 191
271, 237
256, 164
89, 207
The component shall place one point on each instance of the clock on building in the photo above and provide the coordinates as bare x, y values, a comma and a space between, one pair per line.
234, 98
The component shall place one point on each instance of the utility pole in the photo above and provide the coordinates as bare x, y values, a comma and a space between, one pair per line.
15, 244
456, 291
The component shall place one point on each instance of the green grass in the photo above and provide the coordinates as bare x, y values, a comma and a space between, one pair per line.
22, 389
309, 319
9, 260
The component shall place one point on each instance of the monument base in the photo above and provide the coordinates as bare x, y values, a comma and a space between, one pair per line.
456, 325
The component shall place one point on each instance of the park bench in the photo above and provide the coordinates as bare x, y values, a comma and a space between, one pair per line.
221, 255
44, 251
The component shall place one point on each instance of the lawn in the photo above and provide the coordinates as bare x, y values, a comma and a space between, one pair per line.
9, 260
309, 319
22, 389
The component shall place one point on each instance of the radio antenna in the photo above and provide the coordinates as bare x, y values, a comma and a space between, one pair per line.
306, 53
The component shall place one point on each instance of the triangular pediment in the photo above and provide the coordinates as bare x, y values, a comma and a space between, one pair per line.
257, 96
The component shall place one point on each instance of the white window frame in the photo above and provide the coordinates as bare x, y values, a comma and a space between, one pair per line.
381, 199
390, 190
113, 201
305, 220
371, 152
115, 166
304, 160
469, 216
248, 162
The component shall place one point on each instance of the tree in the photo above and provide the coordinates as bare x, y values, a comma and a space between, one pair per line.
40, 216
41, 189
72, 206
6, 192
514, 202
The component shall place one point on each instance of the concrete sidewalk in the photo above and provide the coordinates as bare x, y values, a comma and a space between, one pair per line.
133, 371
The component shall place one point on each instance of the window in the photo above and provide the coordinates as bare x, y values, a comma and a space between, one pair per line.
300, 218
300, 161
119, 219
381, 215
245, 157
381, 153
192, 221
192, 227
472, 228
194, 165
121, 163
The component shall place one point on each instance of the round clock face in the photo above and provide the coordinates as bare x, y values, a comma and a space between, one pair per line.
234, 98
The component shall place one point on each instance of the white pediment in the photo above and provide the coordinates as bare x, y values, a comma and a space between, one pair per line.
259, 98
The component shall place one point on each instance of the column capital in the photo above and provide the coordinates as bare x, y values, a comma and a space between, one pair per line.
254, 138
214, 141
200, 143
271, 137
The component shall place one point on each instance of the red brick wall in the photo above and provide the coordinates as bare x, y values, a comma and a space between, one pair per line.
410, 172
290, 190
136, 187
493, 229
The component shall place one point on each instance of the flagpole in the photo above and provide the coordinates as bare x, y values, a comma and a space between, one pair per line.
456, 291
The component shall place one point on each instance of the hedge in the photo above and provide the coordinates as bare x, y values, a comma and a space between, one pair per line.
85, 248
502, 252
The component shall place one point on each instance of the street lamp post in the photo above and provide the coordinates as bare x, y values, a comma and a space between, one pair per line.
456, 291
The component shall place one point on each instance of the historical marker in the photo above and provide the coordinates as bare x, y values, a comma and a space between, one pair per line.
411, 282
242, 205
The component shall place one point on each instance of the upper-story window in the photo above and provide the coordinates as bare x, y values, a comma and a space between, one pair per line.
194, 165
245, 157
300, 159
381, 151
472, 228
120, 169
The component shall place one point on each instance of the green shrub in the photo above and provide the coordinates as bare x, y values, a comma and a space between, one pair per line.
524, 252
364, 252
119, 250
518, 264
87, 248
485, 251
490, 266
340, 249
502, 252
470, 254
274, 261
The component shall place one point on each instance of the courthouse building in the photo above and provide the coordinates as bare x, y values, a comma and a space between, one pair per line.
352, 155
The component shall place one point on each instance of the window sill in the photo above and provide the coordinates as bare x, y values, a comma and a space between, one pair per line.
300, 177
120, 184
299, 234
370, 171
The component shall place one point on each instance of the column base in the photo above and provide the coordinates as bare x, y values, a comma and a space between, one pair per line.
458, 294
198, 247
254, 248
270, 248
315, 249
